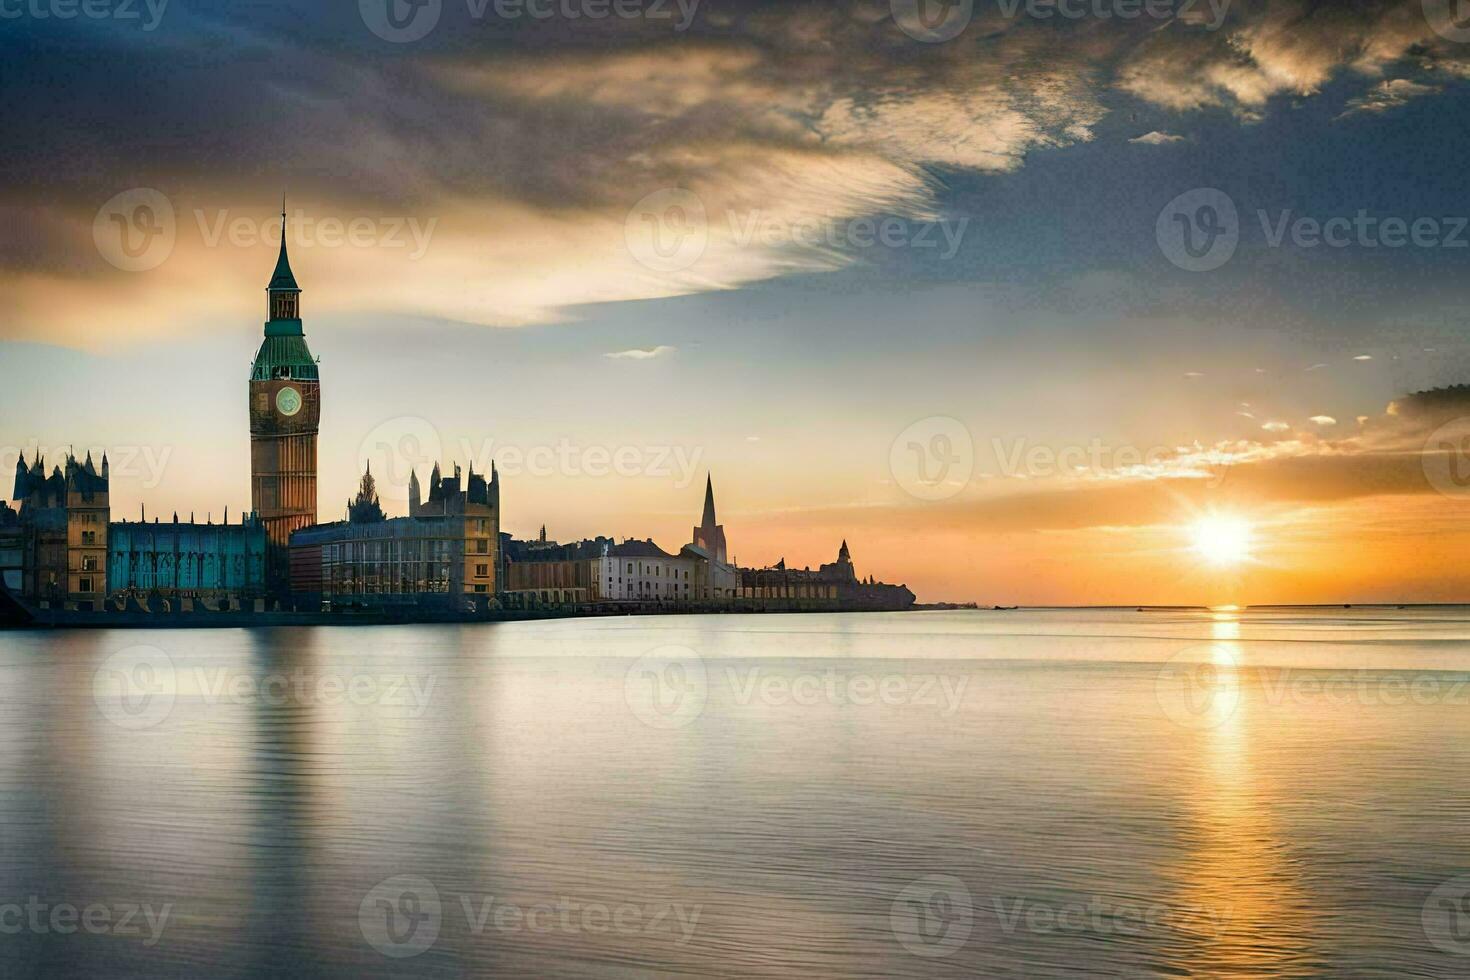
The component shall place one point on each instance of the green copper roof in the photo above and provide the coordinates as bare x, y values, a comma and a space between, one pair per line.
284, 356
282, 278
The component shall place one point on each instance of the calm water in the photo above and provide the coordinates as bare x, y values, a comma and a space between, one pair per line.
946, 793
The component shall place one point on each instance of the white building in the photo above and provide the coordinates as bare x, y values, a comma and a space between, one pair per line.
642, 571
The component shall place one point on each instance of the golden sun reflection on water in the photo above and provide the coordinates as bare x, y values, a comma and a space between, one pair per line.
1239, 878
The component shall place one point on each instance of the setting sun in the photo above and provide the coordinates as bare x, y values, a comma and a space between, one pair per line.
1222, 539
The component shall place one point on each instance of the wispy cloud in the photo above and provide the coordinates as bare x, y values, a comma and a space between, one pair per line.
641, 353
1158, 138
1387, 95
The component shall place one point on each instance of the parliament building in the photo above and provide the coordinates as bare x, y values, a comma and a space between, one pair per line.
61, 550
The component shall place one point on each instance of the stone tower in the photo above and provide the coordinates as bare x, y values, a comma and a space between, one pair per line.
285, 408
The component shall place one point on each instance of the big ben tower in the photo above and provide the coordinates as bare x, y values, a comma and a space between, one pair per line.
285, 407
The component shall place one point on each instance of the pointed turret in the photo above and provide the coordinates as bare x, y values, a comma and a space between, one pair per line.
415, 495
842, 553
283, 293
365, 509
283, 278
709, 500
21, 482
710, 535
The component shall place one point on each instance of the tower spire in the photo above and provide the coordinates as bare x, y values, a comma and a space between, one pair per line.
284, 293
709, 535
709, 500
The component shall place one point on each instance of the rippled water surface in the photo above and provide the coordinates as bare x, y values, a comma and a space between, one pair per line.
1257, 793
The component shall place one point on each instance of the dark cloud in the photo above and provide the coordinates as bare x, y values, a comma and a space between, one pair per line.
552, 129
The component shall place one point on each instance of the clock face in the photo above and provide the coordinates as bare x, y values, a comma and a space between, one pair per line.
288, 401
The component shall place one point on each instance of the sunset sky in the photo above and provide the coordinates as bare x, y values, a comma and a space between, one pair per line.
945, 297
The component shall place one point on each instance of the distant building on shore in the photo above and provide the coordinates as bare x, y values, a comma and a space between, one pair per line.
444, 553
175, 560
63, 549
640, 573
63, 518
835, 581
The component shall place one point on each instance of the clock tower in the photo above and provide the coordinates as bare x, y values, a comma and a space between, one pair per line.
285, 407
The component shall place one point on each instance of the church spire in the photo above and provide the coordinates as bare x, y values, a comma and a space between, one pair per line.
709, 535
285, 295
709, 501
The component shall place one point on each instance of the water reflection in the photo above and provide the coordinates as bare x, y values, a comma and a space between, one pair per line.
1245, 912
505, 766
